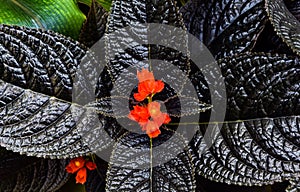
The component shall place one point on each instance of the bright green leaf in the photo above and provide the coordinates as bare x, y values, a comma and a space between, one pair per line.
61, 16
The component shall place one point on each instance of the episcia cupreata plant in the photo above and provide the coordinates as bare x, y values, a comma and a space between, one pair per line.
43, 113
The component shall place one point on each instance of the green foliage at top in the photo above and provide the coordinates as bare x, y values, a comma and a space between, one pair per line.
62, 16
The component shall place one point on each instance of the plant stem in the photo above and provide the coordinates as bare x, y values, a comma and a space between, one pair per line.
151, 163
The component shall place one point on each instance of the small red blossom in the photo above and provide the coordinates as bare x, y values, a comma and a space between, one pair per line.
79, 165
140, 96
75, 164
91, 165
144, 75
139, 114
81, 176
155, 113
167, 118
149, 117
152, 129
147, 85
154, 109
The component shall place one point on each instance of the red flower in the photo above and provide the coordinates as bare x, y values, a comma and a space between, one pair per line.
150, 117
78, 165
159, 117
152, 129
154, 109
81, 176
91, 165
145, 75
75, 165
140, 96
139, 114
142, 114
147, 85
167, 118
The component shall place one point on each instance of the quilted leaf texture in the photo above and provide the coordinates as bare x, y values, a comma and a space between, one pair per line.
132, 14
259, 140
259, 144
269, 42
39, 60
175, 175
255, 80
225, 27
21, 173
37, 70
285, 23
294, 8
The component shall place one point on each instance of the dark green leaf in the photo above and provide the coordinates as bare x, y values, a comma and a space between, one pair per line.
225, 27
23, 174
251, 152
253, 81
39, 60
294, 7
60, 16
286, 25
123, 175
37, 71
261, 143
95, 25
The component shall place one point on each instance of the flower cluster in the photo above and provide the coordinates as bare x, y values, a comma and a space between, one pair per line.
79, 165
149, 116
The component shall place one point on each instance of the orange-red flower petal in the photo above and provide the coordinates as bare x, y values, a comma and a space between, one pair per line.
139, 114
154, 133
75, 164
159, 86
140, 96
91, 165
167, 118
145, 75
81, 176
154, 109
152, 129
147, 87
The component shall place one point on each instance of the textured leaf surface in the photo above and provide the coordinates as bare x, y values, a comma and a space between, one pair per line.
225, 27
21, 173
117, 73
37, 68
60, 16
165, 177
265, 148
294, 7
253, 81
174, 175
285, 23
39, 125
260, 142
39, 60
